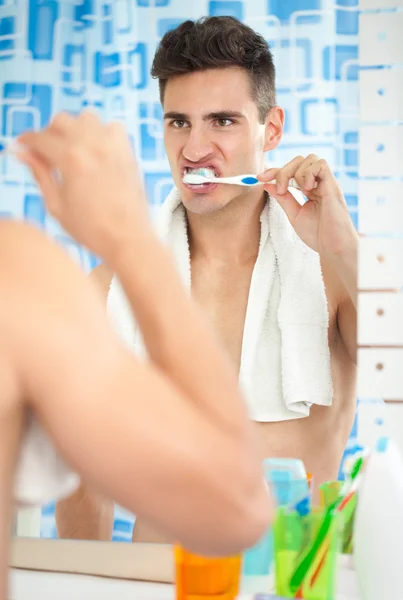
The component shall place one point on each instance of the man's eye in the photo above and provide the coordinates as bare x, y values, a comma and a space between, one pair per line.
179, 124
224, 122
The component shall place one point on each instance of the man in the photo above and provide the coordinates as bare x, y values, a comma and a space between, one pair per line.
217, 88
62, 364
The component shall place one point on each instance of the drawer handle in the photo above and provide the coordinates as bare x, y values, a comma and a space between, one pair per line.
379, 366
380, 312
380, 258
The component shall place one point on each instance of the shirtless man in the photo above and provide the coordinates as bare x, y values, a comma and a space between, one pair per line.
61, 362
220, 110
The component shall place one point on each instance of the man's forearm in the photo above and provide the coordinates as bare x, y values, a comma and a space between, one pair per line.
345, 265
347, 268
176, 333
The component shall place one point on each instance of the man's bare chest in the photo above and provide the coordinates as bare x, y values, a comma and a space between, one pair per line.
223, 294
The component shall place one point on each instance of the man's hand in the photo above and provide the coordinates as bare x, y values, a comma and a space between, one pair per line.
89, 179
323, 222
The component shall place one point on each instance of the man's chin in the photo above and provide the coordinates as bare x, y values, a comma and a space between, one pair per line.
203, 204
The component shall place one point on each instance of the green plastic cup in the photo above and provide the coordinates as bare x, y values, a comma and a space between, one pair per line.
293, 537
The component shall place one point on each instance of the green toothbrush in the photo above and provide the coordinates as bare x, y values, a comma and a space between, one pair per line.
346, 492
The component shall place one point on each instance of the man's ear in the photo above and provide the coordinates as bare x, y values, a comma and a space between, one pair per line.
274, 126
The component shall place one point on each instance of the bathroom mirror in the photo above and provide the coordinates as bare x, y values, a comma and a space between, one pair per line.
91, 54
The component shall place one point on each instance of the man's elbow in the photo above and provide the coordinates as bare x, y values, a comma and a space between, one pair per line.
253, 515
242, 515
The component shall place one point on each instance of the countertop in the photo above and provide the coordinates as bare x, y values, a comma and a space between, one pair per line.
41, 585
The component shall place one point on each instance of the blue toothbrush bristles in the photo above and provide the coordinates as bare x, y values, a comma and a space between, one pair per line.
249, 180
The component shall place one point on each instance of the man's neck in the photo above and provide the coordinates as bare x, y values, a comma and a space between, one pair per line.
231, 235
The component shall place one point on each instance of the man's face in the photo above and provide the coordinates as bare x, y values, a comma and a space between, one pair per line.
211, 120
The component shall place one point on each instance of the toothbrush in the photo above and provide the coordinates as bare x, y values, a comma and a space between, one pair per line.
247, 180
12, 149
349, 488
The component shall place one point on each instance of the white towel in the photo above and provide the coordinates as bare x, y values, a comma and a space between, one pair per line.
41, 475
285, 361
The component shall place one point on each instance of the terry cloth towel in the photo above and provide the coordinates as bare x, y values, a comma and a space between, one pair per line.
41, 475
285, 360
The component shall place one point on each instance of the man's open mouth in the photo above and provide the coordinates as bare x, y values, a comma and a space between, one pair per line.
204, 171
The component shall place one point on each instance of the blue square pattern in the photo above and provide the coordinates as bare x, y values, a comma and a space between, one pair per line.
218, 8
165, 25
155, 191
148, 141
352, 200
34, 209
283, 9
303, 53
74, 55
34, 96
308, 124
7, 27
103, 76
107, 24
334, 57
125, 13
287, 121
138, 53
354, 217
83, 10
42, 18
351, 154
153, 3
347, 20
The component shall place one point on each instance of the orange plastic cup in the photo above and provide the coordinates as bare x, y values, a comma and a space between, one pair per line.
199, 578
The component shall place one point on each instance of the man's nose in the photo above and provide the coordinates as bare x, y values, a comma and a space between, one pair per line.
198, 145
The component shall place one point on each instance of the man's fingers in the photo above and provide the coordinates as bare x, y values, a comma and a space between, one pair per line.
287, 201
46, 144
268, 175
45, 179
286, 173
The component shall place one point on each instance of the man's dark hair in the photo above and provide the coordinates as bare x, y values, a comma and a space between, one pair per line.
217, 42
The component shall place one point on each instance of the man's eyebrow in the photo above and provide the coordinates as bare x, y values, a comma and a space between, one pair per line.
176, 115
222, 114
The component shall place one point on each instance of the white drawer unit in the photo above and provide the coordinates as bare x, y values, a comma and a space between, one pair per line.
376, 4
380, 38
380, 264
381, 150
380, 373
380, 319
380, 93
380, 207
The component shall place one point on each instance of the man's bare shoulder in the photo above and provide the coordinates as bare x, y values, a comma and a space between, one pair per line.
102, 276
24, 249
14, 233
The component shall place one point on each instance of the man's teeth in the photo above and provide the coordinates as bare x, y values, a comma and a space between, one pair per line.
205, 172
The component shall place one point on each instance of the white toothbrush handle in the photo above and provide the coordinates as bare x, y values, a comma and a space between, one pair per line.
237, 179
11, 149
